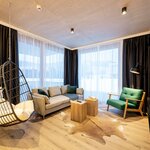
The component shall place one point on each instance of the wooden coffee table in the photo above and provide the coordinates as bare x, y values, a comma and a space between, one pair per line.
78, 111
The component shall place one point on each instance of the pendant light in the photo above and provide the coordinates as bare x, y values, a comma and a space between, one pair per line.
124, 10
72, 30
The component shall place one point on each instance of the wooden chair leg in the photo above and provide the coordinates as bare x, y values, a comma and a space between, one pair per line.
141, 113
125, 109
124, 115
107, 107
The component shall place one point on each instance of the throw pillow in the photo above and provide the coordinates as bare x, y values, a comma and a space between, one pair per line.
42, 96
64, 89
71, 89
43, 92
54, 91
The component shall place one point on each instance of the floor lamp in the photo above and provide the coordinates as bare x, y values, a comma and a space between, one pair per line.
134, 70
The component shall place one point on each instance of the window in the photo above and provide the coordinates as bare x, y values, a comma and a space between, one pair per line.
41, 63
54, 62
99, 70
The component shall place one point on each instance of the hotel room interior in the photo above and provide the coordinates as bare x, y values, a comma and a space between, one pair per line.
74, 74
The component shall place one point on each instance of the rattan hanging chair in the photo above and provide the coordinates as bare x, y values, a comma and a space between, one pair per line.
15, 106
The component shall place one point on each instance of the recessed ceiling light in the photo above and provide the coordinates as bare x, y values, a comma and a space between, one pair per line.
124, 10
72, 30
39, 8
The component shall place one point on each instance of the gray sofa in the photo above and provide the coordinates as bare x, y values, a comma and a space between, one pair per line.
58, 98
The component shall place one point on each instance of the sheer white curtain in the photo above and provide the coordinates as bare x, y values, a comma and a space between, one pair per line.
41, 62
53, 65
29, 59
100, 70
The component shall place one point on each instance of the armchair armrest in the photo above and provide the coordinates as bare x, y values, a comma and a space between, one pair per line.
133, 99
110, 94
39, 104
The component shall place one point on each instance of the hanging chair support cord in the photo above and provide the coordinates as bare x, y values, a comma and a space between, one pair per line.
9, 58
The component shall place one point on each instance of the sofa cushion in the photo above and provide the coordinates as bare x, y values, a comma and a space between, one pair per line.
79, 91
119, 104
43, 92
71, 89
64, 89
43, 96
54, 91
56, 101
131, 93
72, 96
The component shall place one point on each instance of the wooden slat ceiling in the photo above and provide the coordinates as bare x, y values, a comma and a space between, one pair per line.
93, 20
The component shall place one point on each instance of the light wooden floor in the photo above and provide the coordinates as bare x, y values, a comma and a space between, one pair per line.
106, 131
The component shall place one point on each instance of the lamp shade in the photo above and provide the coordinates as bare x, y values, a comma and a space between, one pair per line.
135, 70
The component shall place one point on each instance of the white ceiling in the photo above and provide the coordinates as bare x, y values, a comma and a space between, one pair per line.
93, 20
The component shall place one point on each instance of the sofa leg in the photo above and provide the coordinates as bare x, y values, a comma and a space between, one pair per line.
43, 117
107, 107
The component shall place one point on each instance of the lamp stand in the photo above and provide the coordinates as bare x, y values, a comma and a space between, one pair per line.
132, 81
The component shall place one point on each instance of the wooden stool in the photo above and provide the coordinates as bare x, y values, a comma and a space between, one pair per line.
92, 106
78, 111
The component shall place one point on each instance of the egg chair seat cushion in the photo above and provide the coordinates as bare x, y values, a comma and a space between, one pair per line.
24, 110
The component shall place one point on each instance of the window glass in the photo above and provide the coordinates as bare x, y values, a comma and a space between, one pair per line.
99, 70
42, 63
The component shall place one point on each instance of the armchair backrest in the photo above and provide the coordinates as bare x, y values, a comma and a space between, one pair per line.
131, 93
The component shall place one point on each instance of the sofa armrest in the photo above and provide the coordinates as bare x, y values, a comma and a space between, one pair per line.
80, 91
39, 104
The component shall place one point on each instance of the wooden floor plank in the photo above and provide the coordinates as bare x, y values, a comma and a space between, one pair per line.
108, 130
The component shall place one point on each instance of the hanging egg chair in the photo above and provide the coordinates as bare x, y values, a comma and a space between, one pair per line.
15, 106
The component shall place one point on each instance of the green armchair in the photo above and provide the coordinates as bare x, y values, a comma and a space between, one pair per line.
129, 100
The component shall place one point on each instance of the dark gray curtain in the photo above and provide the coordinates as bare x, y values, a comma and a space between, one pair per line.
71, 67
4, 53
4, 45
148, 83
137, 50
